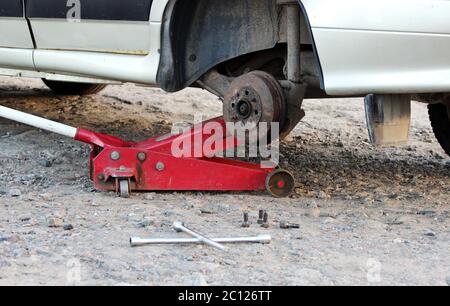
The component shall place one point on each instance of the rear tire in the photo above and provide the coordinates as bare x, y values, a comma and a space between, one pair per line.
72, 88
440, 121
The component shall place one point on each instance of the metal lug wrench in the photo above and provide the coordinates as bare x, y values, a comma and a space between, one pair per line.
179, 227
136, 241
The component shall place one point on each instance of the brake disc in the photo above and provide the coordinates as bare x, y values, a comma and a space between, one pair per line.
255, 98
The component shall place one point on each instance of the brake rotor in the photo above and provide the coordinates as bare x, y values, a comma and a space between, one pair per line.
255, 98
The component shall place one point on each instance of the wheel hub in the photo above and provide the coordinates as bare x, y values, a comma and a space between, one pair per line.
254, 98
245, 107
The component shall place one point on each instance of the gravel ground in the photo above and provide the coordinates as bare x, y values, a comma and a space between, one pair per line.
368, 216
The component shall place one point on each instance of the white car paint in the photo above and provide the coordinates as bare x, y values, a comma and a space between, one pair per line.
14, 33
16, 58
16, 44
122, 37
364, 46
382, 46
122, 67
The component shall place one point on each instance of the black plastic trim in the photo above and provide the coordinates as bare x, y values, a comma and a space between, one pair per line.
315, 52
117, 10
171, 75
11, 8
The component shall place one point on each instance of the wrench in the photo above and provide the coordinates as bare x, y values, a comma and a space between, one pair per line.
136, 241
179, 227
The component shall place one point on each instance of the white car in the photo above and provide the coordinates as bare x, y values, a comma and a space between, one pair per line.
261, 57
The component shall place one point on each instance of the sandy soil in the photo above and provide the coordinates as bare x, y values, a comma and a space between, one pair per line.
367, 215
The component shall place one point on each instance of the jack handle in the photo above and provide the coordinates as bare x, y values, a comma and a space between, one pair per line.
78, 134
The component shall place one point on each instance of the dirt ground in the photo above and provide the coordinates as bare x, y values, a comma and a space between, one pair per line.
368, 216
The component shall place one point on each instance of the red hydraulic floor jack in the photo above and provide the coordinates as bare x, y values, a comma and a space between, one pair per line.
150, 165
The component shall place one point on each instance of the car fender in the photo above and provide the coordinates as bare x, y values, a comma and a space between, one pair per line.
381, 46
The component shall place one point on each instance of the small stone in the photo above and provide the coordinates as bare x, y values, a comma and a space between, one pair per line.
322, 195
145, 223
94, 203
6, 135
45, 163
25, 218
439, 156
46, 196
367, 201
214, 208
393, 196
206, 211
4, 238
329, 220
427, 213
15, 193
199, 281
28, 178
429, 233
59, 214
150, 196
344, 229
68, 227
55, 222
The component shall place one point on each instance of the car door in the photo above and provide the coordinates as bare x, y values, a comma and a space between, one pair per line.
16, 43
111, 39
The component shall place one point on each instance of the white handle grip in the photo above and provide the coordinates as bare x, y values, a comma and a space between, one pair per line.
38, 122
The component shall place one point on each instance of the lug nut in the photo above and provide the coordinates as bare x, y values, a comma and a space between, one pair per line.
246, 223
288, 225
265, 223
115, 155
261, 217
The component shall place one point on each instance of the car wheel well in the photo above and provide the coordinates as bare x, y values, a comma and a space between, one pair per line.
199, 35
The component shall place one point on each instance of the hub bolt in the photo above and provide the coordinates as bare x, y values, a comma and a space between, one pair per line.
288, 225
261, 217
246, 223
265, 223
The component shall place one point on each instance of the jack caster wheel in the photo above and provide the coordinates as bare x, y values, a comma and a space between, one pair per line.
280, 183
124, 188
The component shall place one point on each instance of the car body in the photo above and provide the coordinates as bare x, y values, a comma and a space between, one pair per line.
343, 48
362, 46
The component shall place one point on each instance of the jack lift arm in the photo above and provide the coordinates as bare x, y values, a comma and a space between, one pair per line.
122, 166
